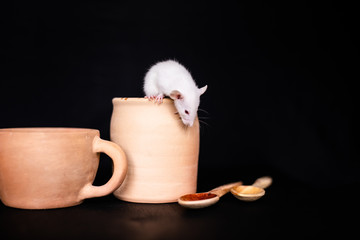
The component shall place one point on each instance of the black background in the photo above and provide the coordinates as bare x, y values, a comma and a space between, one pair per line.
281, 78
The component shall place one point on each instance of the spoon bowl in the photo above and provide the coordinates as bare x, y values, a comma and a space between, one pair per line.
252, 192
201, 200
198, 200
247, 193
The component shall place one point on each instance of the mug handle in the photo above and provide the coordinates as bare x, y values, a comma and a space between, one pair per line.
118, 157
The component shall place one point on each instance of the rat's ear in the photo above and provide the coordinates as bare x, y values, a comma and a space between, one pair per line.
202, 90
175, 94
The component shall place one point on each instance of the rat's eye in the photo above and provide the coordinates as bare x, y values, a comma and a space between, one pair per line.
187, 112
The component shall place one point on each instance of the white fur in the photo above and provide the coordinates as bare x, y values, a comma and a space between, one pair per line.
171, 79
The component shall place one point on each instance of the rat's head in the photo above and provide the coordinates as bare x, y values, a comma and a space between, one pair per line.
187, 104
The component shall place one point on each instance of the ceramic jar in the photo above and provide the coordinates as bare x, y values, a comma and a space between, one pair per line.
162, 152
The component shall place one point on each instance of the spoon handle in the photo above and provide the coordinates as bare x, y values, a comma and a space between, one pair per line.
263, 182
220, 191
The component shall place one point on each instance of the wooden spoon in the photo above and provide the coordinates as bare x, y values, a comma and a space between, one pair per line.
252, 192
201, 200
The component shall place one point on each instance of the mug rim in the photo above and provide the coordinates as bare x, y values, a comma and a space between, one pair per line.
47, 130
138, 99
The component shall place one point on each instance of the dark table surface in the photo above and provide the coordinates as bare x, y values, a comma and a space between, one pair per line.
290, 209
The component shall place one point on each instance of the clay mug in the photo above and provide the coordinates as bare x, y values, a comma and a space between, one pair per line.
43, 168
162, 152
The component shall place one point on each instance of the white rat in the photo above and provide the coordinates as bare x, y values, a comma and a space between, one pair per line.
170, 78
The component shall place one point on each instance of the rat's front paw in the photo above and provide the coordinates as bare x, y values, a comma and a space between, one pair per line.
150, 98
159, 98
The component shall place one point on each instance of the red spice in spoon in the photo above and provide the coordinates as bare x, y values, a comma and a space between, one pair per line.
197, 196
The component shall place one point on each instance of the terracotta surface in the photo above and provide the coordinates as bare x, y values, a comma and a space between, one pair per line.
162, 153
43, 168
